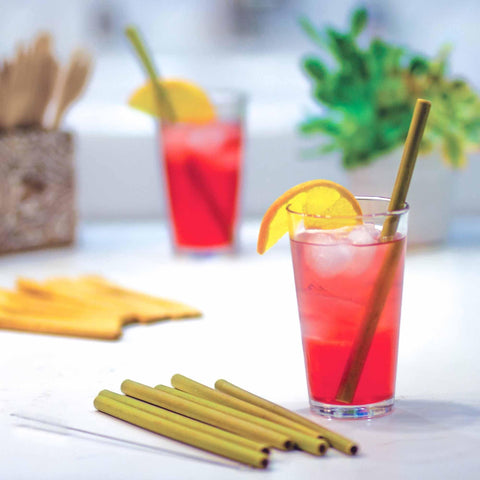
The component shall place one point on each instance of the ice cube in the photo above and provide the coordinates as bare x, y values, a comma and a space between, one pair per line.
325, 252
365, 234
174, 143
316, 237
216, 144
330, 260
363, 239
207, 137
345, 250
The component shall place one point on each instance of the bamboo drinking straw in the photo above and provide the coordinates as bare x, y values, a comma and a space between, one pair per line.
336, 440
207, 415
185, 421
179, 432
195, 388
308, 443
163, 101
358, 354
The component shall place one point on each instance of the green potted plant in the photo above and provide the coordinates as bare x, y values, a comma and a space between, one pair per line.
366, 97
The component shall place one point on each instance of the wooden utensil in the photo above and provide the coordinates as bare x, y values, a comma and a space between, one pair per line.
26, 84
45, 72
30, 86
17, 85
4, 73
72, 83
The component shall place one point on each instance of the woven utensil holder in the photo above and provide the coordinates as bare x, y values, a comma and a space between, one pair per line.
37, 189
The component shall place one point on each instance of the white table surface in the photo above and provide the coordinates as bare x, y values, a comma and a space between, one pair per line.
249, 334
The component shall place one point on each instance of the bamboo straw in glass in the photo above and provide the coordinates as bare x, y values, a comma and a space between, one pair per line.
336, 440
146, 60
308, 443
187, 422
181, 433
361, 347
207, 415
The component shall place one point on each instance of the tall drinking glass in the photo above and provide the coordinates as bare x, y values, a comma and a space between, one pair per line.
338, 274
202, 167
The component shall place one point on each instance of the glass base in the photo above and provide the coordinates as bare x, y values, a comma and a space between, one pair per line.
371, 410
205, 251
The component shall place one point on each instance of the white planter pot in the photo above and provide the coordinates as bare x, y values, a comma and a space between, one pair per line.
430, 195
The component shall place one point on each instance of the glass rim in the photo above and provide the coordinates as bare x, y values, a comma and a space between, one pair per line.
386, 213
231, 100
227, 93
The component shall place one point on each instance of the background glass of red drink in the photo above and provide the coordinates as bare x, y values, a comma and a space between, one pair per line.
335, 275
202, 167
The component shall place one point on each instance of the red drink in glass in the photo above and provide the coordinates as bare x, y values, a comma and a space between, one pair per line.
202, 165
335, 277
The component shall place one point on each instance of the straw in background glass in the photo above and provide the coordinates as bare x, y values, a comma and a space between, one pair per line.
146, 60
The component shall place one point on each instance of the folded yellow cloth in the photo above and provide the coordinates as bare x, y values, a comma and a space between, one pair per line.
88, 306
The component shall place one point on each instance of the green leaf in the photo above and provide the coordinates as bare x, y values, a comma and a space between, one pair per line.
312, 153
311, 31
379, 49
472, 131
349, 56
453, 150
426, 145
354, 159
315, 125
358, 22
315, 68
418, 65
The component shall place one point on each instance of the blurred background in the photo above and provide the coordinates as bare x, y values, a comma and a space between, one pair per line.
252, 45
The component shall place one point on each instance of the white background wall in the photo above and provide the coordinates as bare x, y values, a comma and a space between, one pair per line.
253, 45
120, 177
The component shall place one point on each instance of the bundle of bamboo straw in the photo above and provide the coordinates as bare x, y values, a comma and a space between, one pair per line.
227, 420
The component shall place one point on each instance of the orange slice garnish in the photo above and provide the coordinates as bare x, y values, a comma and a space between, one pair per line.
189, 102
329, 204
